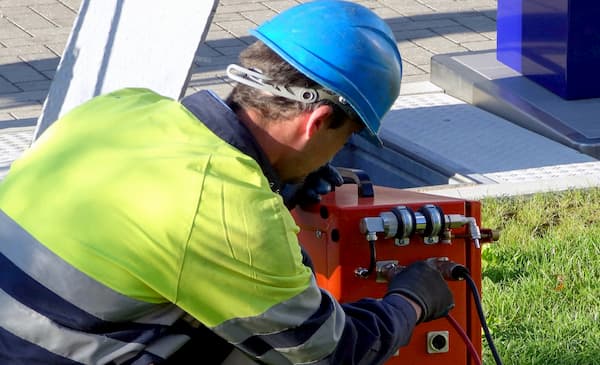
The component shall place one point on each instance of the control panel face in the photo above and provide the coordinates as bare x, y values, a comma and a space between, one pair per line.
353, 240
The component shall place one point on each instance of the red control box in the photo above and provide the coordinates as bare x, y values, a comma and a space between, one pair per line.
408, 226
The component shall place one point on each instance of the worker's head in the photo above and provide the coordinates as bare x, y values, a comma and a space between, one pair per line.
333, 57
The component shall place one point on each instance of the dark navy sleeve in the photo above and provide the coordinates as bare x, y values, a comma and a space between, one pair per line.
375, 328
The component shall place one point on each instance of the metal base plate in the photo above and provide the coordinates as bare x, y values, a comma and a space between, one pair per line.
479, 79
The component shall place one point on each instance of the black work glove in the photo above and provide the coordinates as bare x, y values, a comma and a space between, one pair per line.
317, 183
424, 284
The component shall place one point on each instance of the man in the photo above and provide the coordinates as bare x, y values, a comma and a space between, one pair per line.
141, 230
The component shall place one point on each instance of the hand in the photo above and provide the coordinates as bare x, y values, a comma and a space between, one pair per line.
317, 183
424, 284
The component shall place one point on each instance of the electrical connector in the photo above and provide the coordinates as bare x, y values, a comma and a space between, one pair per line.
450, 270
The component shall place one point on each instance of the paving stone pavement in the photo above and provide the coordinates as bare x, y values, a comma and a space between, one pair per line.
33, 34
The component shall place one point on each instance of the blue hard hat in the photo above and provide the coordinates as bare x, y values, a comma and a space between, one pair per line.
344, 47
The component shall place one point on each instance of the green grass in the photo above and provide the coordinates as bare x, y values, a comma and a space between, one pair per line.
541, 280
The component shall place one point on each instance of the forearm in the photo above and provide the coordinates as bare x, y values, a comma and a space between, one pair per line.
416, 307
375, 330
368, 331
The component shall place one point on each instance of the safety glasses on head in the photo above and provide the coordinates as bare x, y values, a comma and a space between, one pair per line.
308, 95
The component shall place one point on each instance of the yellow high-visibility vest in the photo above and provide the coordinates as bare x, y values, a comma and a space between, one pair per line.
132, 190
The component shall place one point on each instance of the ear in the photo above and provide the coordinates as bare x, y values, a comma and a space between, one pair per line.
317, 120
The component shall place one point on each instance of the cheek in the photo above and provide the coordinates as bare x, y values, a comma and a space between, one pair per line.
338, 143
333, 150
323, 151
329, 150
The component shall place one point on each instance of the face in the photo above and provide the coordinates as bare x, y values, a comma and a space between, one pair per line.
320, 149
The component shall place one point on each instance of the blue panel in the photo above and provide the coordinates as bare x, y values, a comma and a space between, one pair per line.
545, 35
583, 60
509, 32
558, 42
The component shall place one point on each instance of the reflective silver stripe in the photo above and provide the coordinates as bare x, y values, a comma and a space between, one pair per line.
323, 342
166, 346
280, 317
163, 314
74, 286
287, 315
319, 346
84, 348
236, 357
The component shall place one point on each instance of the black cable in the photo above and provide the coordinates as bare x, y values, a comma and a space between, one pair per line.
364, 273
486, 330
372, 259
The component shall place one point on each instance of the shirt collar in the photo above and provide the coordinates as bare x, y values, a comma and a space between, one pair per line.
222, 121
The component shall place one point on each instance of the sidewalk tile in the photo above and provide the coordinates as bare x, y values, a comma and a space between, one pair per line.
20, 72
6, 87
